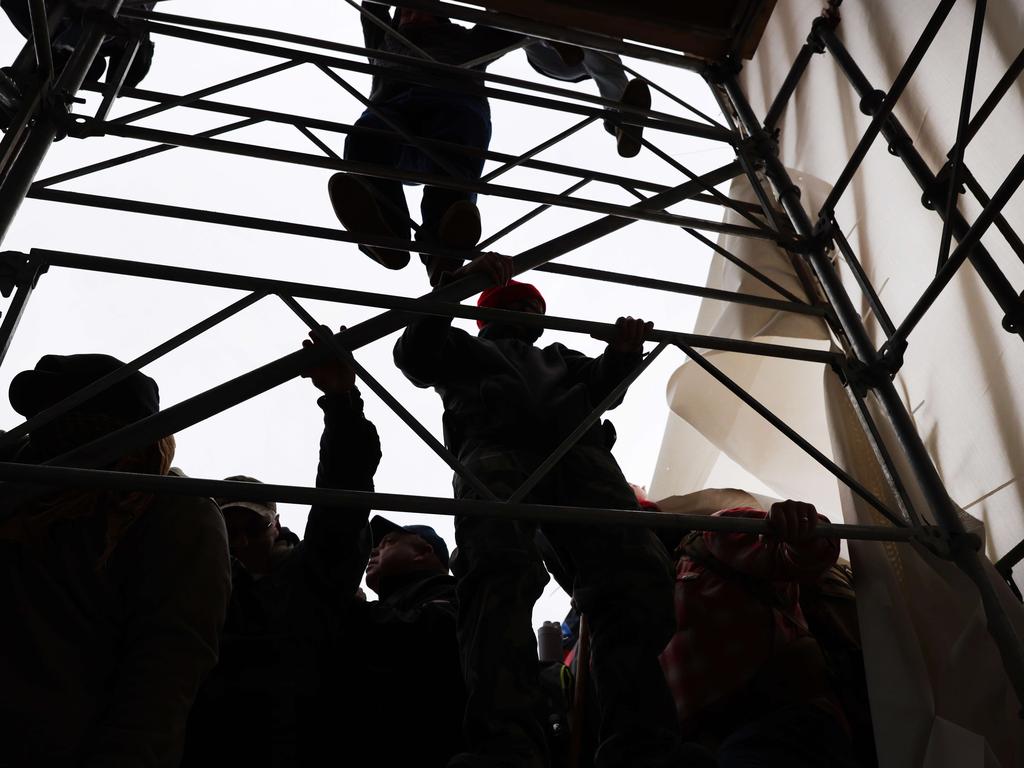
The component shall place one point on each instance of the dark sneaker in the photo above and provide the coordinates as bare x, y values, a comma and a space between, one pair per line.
460, 226
629, 137
358, 212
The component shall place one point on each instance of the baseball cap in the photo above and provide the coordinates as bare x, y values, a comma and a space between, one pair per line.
381, 527
265, 509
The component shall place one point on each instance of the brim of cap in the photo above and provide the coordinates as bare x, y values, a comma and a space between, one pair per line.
381, 527
265, 512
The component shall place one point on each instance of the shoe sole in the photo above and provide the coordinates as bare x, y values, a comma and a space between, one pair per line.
629, 138
359, 213
460, 226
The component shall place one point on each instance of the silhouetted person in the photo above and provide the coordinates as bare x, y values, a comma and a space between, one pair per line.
749, 679
286, 601
113, 599
507, 404
458, 115
17, 80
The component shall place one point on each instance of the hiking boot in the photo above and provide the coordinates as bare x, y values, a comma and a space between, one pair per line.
459, 228
629, 137
359, 213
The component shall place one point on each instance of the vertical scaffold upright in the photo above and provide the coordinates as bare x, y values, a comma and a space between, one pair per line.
809, 237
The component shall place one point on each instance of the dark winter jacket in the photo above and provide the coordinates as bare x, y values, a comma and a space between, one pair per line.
98, 666
399, 697
504, 391
444, 41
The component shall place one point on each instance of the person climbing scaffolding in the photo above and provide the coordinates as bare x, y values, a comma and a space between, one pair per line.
401, 113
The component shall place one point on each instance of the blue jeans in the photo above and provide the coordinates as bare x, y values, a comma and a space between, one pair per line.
604, 68
427, 113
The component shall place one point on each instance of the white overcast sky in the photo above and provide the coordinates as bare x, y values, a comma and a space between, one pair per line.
275, 437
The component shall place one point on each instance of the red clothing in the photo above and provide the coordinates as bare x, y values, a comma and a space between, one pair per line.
724, 633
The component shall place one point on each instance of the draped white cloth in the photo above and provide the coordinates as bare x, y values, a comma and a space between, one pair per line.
939, 693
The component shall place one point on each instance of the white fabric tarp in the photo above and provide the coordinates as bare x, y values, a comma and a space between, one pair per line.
939, 694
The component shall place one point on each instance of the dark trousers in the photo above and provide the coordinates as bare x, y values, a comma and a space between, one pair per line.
796, 736
621, 579
428, 113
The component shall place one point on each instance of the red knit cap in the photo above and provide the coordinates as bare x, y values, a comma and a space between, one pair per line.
500, 297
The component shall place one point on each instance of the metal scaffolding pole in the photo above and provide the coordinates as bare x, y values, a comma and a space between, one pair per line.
903, 146
57, 476
41, 123
963, 549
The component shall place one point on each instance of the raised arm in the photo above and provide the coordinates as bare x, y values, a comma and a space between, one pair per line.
337, 539
623, 354
373, 34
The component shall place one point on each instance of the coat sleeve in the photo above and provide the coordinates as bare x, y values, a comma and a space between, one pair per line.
373, 35
769, 558
430, 351
601, 374
337, 541
176, 598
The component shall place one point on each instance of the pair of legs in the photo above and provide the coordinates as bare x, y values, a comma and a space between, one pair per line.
17, 78
571, 64
373, 206
621, 579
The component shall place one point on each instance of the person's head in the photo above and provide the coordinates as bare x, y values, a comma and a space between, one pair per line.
517, 297
253, 529
56, 377
401, 551
131, 398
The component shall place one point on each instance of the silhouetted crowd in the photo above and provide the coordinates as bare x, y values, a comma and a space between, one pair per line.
147, 629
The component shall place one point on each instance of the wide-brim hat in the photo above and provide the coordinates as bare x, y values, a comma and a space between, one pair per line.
56, 377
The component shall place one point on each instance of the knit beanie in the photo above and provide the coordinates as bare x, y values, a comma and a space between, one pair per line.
501, 296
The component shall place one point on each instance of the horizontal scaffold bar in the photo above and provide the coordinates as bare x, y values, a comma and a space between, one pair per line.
272, 374
429, 73
426, 505
439, 180
459, 13
301, 121
424, 305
